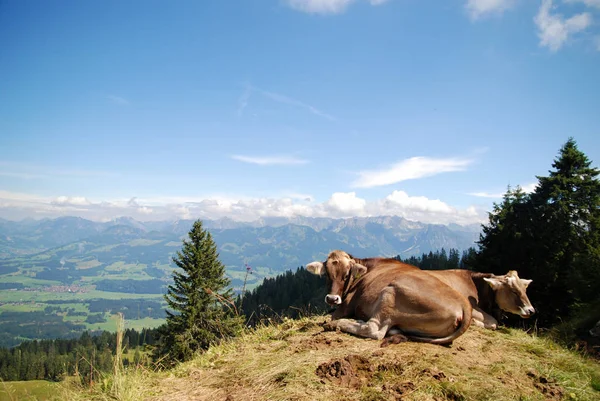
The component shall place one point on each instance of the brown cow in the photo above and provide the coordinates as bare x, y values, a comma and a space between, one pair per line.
392, 295
483, 290
486, 290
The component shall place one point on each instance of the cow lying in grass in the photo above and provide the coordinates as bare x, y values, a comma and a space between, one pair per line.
485, 291
394, 295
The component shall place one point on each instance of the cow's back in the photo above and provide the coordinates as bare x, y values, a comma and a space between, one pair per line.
415, 286
460, 280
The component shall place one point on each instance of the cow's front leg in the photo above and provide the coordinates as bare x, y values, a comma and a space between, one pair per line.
371, 329
332, 325
489, 322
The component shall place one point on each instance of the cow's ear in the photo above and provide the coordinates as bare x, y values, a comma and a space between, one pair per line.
357, 270
494, 282
315, 268
526, 282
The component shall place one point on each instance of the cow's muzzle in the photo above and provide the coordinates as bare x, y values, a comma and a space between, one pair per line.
527, 312
333, 299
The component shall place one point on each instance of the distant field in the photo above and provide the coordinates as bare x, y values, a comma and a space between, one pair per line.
22, 307
88, 264
38, 296
29, 390
27, 281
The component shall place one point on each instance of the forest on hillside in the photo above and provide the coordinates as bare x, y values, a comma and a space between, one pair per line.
88, 356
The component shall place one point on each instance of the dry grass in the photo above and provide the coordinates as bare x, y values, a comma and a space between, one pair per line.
298, 361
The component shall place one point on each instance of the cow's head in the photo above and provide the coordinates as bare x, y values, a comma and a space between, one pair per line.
341, 269
511, 293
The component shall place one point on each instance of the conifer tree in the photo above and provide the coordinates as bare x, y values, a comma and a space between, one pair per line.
200, 299
567, 204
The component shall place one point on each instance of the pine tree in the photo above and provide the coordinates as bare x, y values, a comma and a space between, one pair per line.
200, 299
507, 242
567, 202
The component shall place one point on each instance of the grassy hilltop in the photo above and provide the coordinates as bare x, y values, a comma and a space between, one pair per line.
297, 360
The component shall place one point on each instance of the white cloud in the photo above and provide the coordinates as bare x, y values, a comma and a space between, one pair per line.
326, 6
480, 8
410, 169
71, 201
270, 160
554, 30
589, 3
527, 188
121, 101
339, 205
346, 203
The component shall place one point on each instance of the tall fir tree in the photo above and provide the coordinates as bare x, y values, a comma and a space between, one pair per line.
200, 298
567, 204
505, 243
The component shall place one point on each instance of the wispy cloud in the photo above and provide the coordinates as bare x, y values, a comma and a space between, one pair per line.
293, 102
486, 194
270, 160
121, 101
410, 169
554, 30
326, 6
480, 8
244, 98
589, 3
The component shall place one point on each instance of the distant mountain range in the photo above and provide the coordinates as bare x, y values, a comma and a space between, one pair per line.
269, 246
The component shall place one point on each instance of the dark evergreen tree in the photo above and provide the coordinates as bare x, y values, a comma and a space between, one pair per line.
507, 243
567, 203
200, 300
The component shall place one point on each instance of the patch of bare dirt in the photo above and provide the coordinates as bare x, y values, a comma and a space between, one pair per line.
435, 373
399, 390
353, 371
547, 386
393, 339
317, 342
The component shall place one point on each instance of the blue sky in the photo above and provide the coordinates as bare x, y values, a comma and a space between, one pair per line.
156, 109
